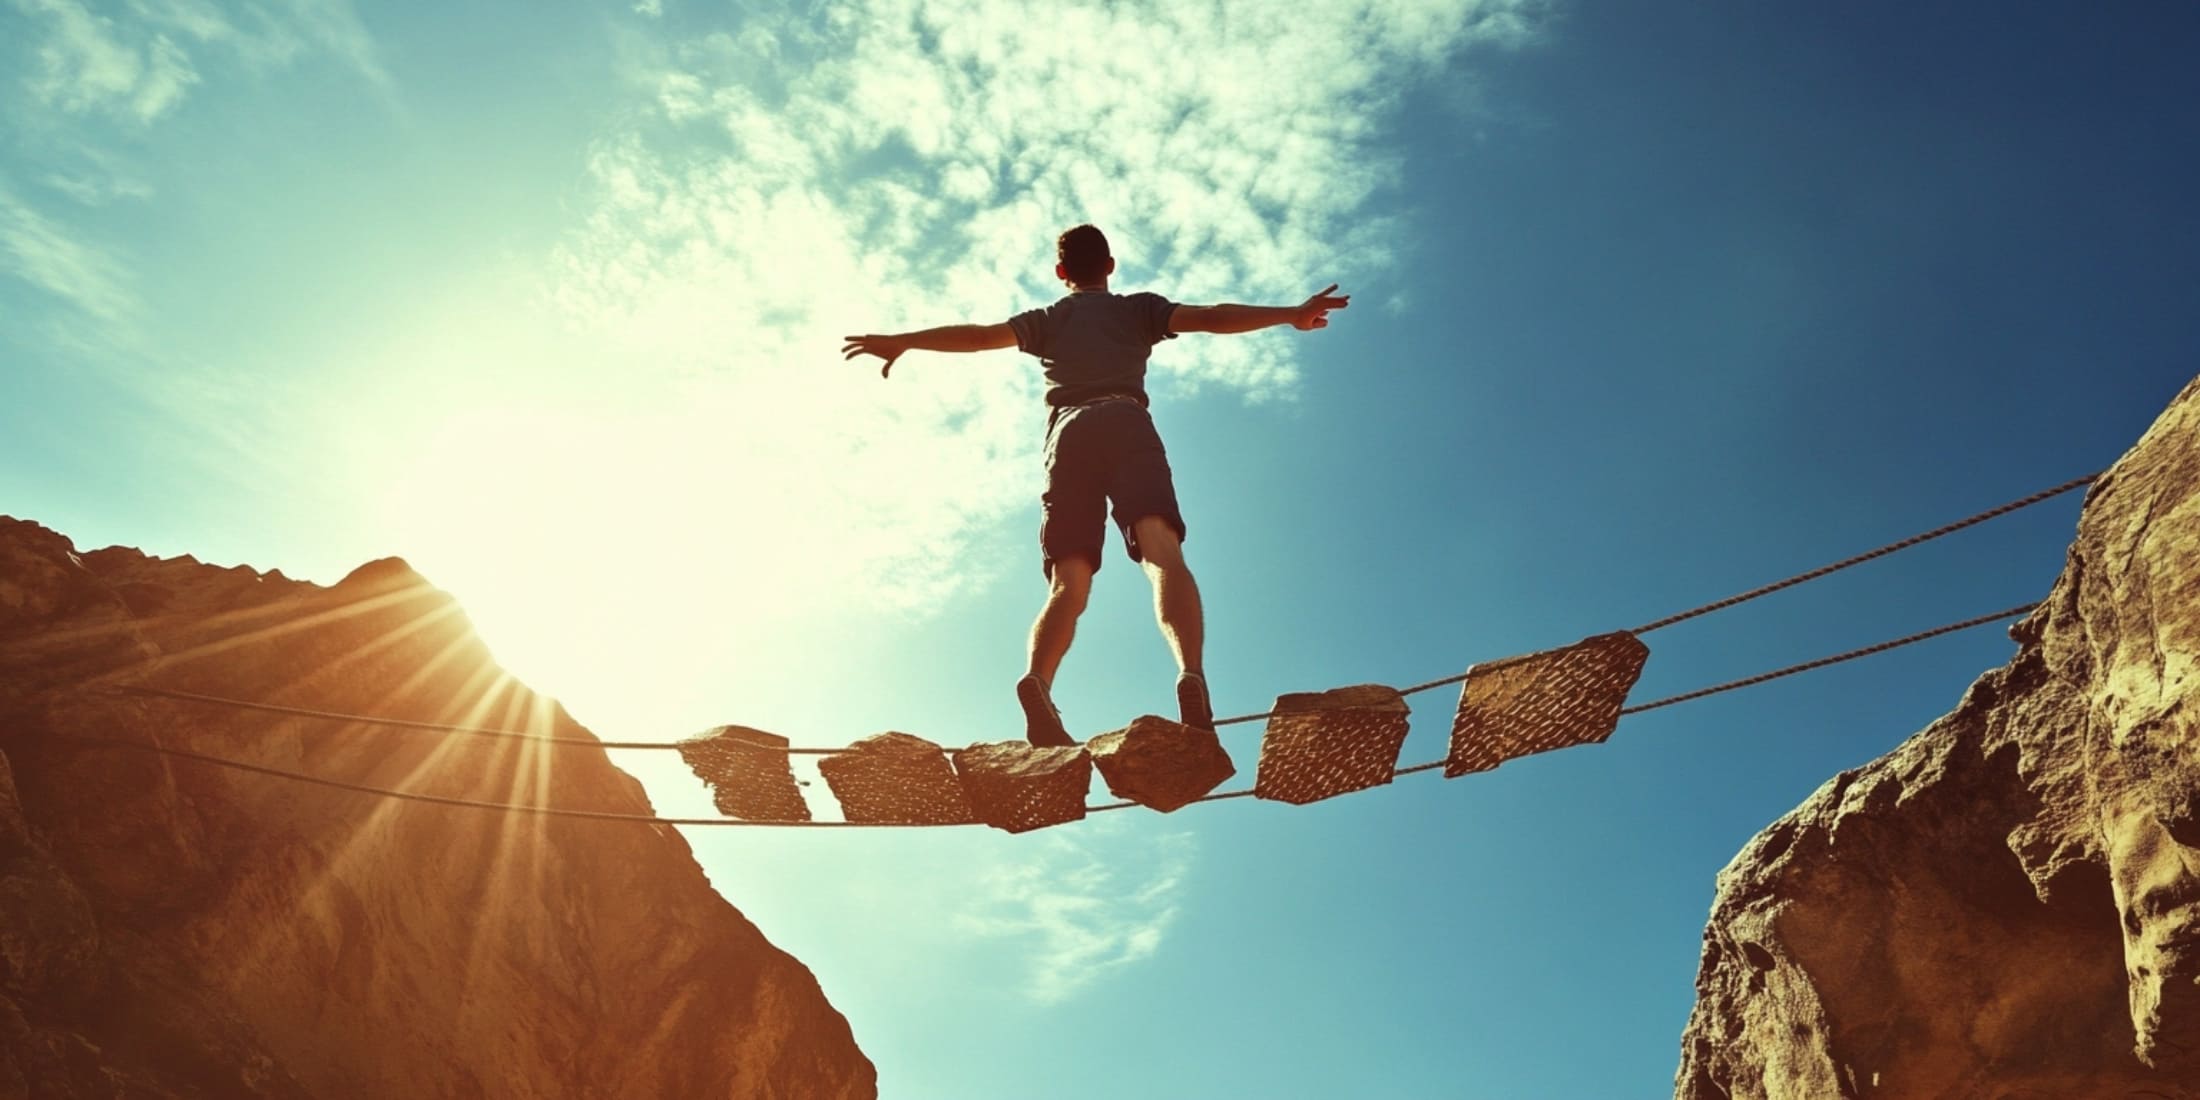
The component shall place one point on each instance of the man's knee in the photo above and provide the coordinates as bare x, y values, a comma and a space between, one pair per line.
1069, 580
1159, 546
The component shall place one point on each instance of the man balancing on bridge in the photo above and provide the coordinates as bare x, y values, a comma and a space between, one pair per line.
1101, 446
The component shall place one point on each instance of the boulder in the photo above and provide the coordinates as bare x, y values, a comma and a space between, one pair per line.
1160, 764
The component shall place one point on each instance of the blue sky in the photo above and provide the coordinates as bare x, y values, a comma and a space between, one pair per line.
1651, 305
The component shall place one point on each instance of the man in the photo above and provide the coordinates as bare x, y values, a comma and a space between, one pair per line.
1102, 447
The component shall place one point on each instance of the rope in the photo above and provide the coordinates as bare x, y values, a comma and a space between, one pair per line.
1752, 594
1824, 661
1883, 551
1486, 666
406, 723
444, 800
1666, 702
1800, 578
604, 815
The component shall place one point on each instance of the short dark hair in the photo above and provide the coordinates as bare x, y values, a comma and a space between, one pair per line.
1083, 253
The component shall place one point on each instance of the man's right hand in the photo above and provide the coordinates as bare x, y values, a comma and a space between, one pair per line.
1313, 313
887, 347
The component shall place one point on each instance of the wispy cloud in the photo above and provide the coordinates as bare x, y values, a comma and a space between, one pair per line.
138, 64
1086, 903
41, 252
132, 65
98, 188
86, 88
326, 27
89, 62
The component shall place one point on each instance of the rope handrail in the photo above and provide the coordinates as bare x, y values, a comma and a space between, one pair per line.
1483, 666
1807, 666
1892, 547
445, 800
1800, 578
606, 815
407, 723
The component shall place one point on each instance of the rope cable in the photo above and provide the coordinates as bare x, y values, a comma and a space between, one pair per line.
407, 723
447, 800
1883, 551
1800, 578
1484, 666
1834, 660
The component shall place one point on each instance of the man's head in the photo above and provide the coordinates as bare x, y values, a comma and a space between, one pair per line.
1082, 256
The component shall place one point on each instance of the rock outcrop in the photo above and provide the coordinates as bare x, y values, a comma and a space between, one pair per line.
2007, 906
174, 929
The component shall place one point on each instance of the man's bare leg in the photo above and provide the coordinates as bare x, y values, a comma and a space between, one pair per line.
1069, 586
1067, 590
1175, 593
1176, 607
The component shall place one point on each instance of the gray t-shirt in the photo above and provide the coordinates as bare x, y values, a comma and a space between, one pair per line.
1094, 343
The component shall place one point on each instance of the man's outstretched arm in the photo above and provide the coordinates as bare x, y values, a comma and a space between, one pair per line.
890, 346
1307, 316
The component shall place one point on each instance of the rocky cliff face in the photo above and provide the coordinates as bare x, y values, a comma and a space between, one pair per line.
2008, 905
172, 929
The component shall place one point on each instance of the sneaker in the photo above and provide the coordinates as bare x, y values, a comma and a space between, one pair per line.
1191, 701
1042, 723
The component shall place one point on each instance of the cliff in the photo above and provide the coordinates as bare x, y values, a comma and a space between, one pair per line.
172, 929
2007, 905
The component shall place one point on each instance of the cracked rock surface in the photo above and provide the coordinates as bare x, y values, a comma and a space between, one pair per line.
170, 929
2007, 906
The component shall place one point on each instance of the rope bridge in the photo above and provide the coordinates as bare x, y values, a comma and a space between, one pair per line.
1316, 745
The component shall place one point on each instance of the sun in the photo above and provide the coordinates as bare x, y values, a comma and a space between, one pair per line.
594, 555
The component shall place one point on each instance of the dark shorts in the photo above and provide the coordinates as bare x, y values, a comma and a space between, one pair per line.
1097, 454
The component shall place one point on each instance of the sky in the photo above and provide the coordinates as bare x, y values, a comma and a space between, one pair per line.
1651, 305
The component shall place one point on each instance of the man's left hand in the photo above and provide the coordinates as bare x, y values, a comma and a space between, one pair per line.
1313, 313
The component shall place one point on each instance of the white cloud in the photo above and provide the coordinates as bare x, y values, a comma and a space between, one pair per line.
1086, 902
895, 164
